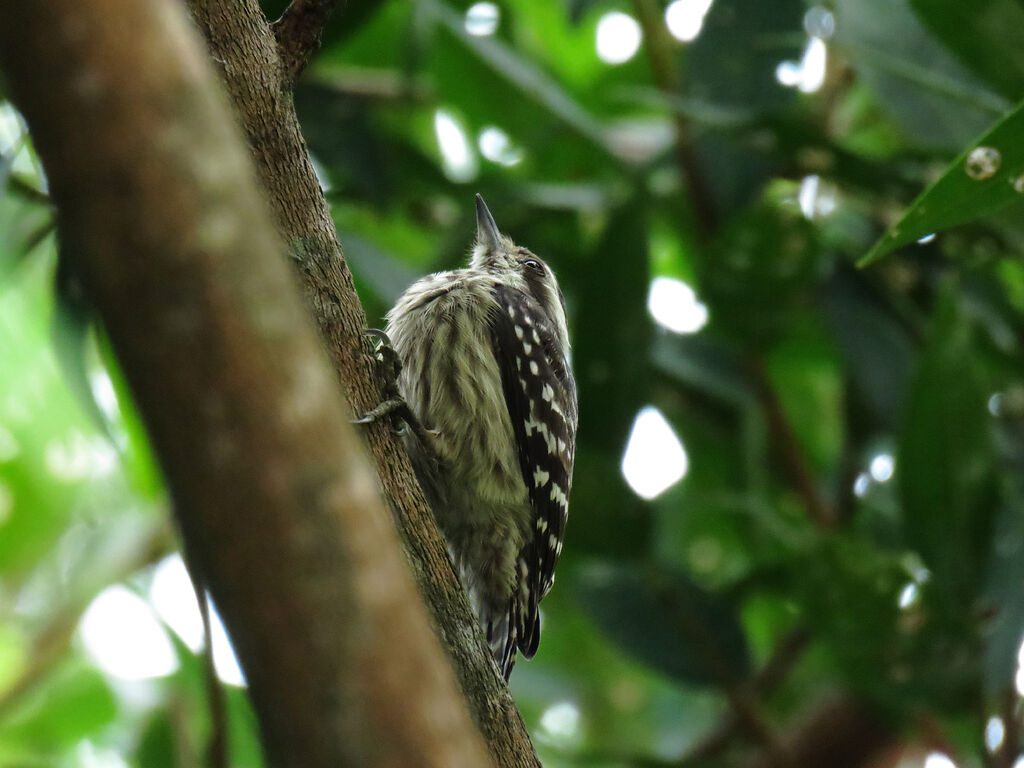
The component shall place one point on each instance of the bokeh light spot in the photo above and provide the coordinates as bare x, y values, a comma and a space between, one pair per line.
654, 459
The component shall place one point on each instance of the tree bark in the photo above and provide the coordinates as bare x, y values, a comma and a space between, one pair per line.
158, 206
245, 48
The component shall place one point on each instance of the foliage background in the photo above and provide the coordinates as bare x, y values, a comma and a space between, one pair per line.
850, 521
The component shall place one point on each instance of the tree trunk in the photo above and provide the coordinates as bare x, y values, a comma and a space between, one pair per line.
243, 45
159, 209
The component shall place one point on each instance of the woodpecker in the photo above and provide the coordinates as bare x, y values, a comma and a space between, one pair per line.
484, 369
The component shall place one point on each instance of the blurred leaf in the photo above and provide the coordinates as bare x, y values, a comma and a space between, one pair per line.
702, 113
848, 589
386, 276
704, 364
945, 460
877, 351
612, 327
72, 322
137, 458
929, 94
72, 704
960, 195
984, 35
518, 71
158, 746
246, 751
1004, 583
38, 421
191, 697
754, 274
668, 622
1011, 275
578, 8
7, 160
613, 520
611, 332
732, 63
805, 373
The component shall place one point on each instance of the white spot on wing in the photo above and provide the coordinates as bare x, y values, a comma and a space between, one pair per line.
541, 429
511, 311
540, 477
519, 332
558, 496
547, 393
527, 347
533, 367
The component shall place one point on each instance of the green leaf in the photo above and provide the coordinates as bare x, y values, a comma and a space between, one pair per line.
668, 622
615, 342
246, 750
158, 745
958, 196
7, 161
877, 350
760, 264
934, 99
805, 372
1003, 588
984, 35
73, 319
521, 73
945, 460
732, 63
74, 703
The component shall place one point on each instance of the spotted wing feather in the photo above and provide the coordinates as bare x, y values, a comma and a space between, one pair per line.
540, 393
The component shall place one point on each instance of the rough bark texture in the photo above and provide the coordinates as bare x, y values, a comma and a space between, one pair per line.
245, 49
159, 207
298, 33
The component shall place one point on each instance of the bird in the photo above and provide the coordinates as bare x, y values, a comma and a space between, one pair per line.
483, 372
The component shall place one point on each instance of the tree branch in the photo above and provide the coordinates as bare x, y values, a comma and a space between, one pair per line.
767, 679
664, 68
237, 36
790, 453
838, 732
278, 508
298, 33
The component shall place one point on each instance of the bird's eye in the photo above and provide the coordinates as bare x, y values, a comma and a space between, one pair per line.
533, 264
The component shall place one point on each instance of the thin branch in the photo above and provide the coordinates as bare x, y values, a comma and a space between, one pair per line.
218, 747
665, 68
765, 681
298, 33
790, 451
1009, 750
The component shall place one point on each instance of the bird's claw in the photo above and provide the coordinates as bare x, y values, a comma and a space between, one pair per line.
389, 365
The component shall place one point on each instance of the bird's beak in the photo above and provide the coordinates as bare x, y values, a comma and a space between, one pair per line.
487, 233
